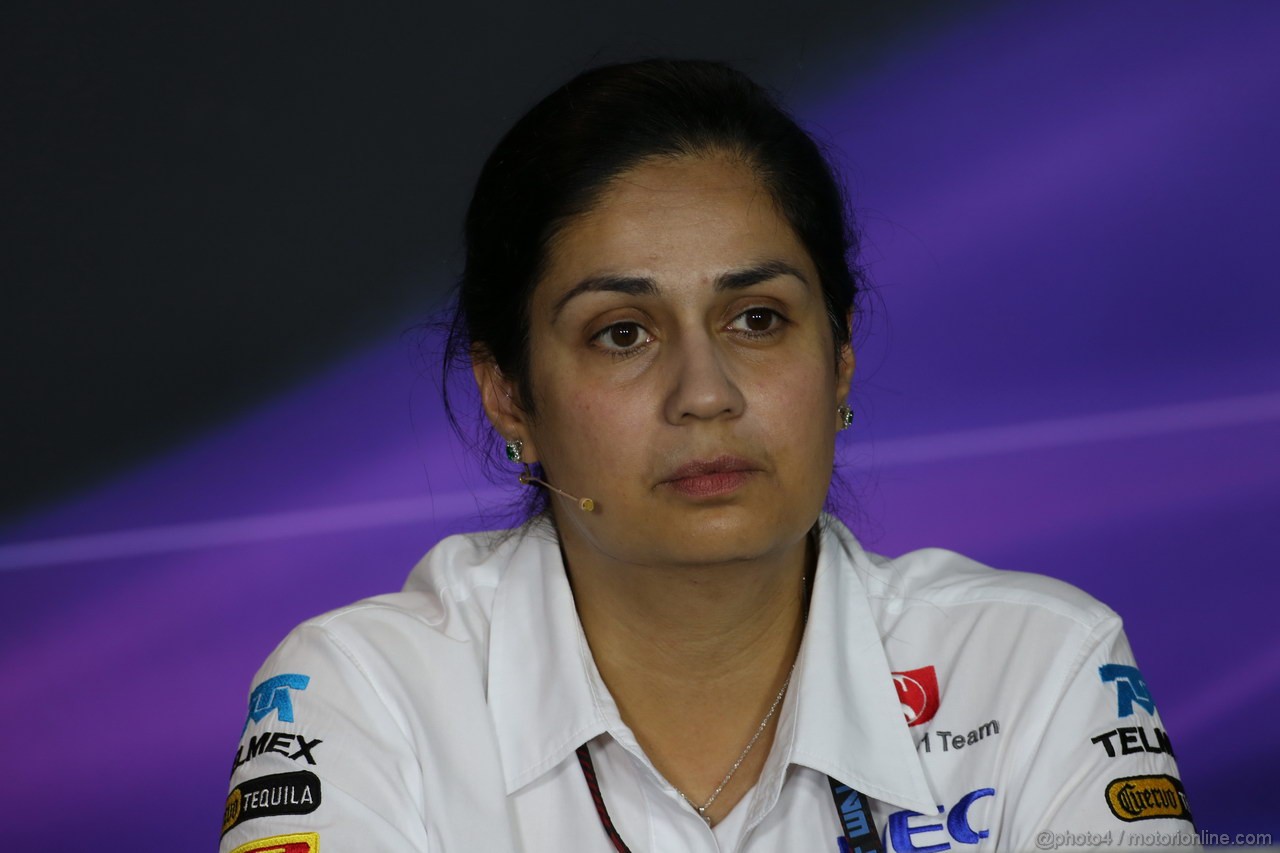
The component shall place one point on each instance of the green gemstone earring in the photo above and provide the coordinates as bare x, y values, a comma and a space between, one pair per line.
846, 416
514, 450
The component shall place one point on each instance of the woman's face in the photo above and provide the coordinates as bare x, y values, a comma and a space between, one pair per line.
683, 369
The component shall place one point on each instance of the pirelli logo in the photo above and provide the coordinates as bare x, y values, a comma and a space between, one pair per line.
1133, 798
308, 842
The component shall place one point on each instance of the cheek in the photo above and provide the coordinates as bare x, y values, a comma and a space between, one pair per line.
586, 427
797, 393
796, 412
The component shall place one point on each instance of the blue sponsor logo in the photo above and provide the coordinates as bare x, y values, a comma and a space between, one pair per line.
856, 821
273, 695
957, 828
1130, 688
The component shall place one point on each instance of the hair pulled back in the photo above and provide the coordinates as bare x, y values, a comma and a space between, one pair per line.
559, 158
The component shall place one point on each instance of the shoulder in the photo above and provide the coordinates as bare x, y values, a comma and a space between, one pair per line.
942, 577
439, 620
398, 680
945, 583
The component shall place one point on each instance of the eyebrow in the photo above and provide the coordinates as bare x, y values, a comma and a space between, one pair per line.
633, 285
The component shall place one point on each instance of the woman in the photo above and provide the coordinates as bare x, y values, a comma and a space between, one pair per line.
681, 651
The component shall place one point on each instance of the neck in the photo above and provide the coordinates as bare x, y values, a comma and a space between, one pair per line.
690, 625
694, 657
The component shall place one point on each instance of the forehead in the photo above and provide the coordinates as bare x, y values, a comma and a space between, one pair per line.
678, 220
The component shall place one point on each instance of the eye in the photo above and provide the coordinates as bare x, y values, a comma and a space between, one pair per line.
757, 321
622, 337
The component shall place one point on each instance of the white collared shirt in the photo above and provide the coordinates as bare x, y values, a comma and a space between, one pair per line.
974, 709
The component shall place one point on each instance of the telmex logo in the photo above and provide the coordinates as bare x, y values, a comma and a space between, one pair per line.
1130, 688
293, 746
1146, 797
307, 842
918, 693
273, 695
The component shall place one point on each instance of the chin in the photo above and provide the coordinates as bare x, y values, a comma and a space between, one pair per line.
722, 534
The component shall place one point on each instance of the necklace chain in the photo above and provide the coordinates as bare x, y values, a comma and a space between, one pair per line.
777, 700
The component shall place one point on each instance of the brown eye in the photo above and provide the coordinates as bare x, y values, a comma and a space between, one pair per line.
622, 337
757, 321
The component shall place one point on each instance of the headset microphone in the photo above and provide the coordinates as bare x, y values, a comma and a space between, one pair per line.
585, 504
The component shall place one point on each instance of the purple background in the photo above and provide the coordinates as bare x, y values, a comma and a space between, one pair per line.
1071, 368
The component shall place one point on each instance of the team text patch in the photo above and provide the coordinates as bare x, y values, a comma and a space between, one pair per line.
277, 794
954, 741
307, 842
1133, 798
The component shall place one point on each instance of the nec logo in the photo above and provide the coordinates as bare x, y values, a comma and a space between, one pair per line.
918, 694
1130, 688
958, 827
273, 695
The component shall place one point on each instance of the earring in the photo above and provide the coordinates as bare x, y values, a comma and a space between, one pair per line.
846, 416
514, 450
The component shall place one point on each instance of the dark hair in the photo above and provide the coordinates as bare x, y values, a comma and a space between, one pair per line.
561, 156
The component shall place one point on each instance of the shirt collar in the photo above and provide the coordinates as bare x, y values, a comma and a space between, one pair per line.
847, 718
538, 683
842, 716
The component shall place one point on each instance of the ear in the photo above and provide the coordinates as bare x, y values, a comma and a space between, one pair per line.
844, 367
501, 403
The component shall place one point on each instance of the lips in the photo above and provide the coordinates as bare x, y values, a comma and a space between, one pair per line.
704, 467
703, 478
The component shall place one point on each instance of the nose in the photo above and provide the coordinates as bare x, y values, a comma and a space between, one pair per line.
701, 386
